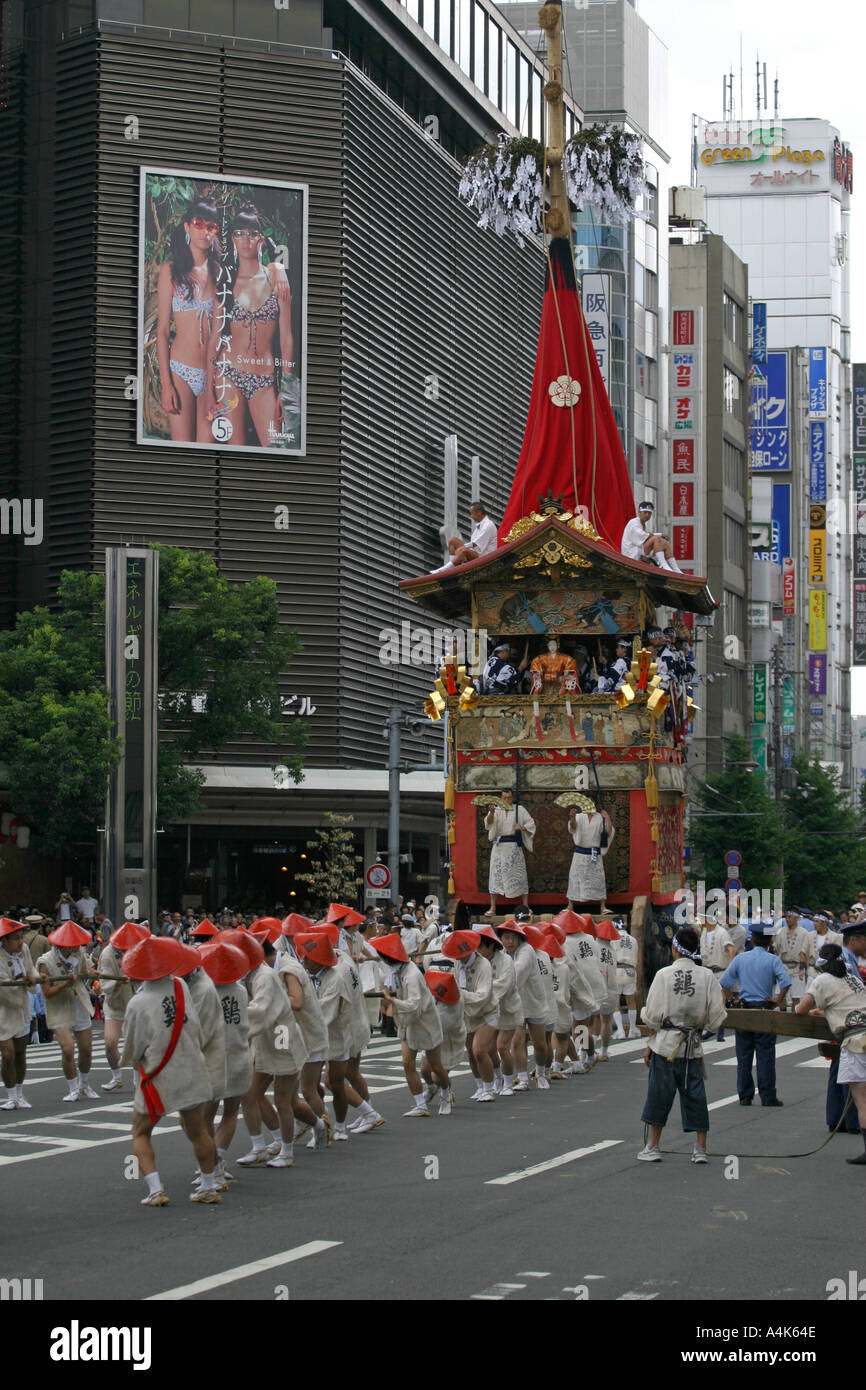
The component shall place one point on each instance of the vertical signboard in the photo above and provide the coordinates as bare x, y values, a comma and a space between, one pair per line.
817, 543
781, 535
817, 673
858, 414
789, 586
817, 383
788, 705
818, 620
595, 293
818, 461
686, 407
759, 693
769, 437
759, 334
859, 622
129, 856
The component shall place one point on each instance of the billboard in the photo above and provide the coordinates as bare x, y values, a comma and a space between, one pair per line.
817, 383
818, 620
595, 292
769, 438
817, 674
817, 543
222, 312
818, 461
759, 333
858, 414
859, 623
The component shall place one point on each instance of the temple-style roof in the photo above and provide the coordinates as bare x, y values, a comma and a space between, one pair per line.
557, 551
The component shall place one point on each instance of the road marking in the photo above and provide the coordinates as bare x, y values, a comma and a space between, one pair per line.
708, 1048
814, 1062
785, 1049
70, 1117
533, 1274
230, 1276
634, 1297
569, 1157
63, 1146
497, 1292
728, 1100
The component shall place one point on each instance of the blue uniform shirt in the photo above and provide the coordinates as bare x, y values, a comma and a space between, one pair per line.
755, 972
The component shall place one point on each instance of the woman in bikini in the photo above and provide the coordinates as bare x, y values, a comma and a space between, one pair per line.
186, 290
252, 340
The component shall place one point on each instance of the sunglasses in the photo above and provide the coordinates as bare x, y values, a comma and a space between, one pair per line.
202, 226
244, 235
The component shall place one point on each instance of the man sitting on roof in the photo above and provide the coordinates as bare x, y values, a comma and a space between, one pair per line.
483, 539
638, 544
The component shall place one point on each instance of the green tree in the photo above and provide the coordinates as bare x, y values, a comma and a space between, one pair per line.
825, 857
217, 640
333, 872
733, 810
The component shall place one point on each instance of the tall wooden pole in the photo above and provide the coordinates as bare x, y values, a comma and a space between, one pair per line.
557, 217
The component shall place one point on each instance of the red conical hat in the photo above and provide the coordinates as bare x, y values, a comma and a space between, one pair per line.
295, 922
125, 937
606, 931
443, 986
205, 928
266, 929
570, 922
246, 943
391, 946
346, 916
460, 944
69, 935
511, 925
315, 946
224, 964
487, 934
571, 448
552, 946
554, 929
328, 929
535, 936
8, 926
158, 956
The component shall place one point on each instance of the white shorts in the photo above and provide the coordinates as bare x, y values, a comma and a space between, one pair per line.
582, 1015
82, 1018
492, 1022
609, 1005
852, 1067
25, 1032
339, 1059
315, 1057
538, 1022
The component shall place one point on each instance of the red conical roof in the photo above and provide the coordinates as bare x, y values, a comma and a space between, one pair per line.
571, 447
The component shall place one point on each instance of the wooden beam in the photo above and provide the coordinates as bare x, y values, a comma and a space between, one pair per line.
784, 1025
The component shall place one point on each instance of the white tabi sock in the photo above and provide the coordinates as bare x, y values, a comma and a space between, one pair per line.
153, 1183
287, 1150
11, 1092
19, 1090
419, 1099
617, 1020
74, 1085
488, 1087
208, 1182
497, 1073
258, 1142
523, 1076
365, 1109
340, 1126
221, 1155
632, 1019
115, 1074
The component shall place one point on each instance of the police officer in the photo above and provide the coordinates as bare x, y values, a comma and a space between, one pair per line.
757, 972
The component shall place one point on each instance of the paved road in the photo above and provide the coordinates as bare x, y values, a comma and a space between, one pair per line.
534, 1198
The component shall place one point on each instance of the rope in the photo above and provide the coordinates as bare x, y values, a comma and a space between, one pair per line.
676, 1153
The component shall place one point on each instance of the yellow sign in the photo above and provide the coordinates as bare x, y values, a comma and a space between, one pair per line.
817, 620
747, 154
817, 552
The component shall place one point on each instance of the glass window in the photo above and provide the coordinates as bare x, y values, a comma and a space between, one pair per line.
650, 419
479, 52
444, 36
734, 465
651, 334
733, 321
414, 8
735, 542
510, 81
493, 78
429, 20
733, 394
639, 283
537, 108
464, 31
523, 94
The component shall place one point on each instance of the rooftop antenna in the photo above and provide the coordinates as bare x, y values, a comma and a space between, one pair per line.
742, 102
776, 100
758, 88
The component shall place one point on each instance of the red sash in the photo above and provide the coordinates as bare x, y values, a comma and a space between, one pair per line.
152, 1098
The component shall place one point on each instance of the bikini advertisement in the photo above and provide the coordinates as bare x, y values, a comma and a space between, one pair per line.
222, 312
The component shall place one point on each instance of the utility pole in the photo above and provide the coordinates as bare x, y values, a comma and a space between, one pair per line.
777, 720
395, 724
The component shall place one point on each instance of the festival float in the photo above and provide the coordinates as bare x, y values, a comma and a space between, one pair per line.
558, 582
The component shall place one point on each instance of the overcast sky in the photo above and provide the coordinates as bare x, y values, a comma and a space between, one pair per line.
819, 54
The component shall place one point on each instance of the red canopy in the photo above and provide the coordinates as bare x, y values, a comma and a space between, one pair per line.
571, 447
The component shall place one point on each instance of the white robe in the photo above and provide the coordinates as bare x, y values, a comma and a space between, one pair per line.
607, 966
360, 1022
586, 880
335, 1000
309, 1018
239, 1062
205, 999
453, 1023
275, 1038
559, 972
184, 1081
115, 996
533, 994
712, 950
844, 1005
586, 984
60, 1010
626, 964
15, 1002
508, 878
690, 997
415, 1013
789, 946
477, 992
505, 1001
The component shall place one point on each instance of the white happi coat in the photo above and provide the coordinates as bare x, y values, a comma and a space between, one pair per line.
626, 964
335, 999
586, 880
586, 984
372, 974
309, 1017
533, 995
15, 1003
713, 953
184, 1081
562, 1016
360, 1022
205, 999
686, 996
508, 877
239, 1062
844, 1005
271, 1021
115, 994
789, 946
606, 956
506, 1004
477, 991
60, 1011
453, 1022
815, 943
415, 1012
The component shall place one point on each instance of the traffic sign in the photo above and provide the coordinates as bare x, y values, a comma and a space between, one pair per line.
374, 894
732, 885
733, 857
378, 876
